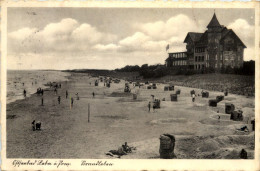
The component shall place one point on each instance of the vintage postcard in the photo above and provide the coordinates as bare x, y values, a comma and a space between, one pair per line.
118, 85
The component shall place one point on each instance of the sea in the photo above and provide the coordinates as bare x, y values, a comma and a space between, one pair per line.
30, 80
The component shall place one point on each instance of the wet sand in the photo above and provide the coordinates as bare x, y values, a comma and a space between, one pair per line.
116, 119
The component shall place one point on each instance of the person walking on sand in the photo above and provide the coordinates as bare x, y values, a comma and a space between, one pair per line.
193, 97
67, 94
149, 106
71, 101
59, 99
24, 93
93, 94
42, 101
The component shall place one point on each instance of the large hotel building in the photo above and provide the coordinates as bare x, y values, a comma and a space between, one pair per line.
217, 47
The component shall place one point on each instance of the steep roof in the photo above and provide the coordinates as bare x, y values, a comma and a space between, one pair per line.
203, 39
194, 36
230, 31
214, 22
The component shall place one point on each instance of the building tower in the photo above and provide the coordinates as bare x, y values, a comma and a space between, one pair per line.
214, 36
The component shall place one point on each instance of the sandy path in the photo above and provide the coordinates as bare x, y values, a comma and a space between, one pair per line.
115, 120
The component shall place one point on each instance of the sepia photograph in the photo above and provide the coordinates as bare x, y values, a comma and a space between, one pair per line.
130, 83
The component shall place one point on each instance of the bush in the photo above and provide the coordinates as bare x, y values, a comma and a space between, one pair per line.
155, 71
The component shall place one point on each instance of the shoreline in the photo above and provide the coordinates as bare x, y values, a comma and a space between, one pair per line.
43, 86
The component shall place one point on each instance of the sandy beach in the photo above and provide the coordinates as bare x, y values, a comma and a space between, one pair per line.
116, 118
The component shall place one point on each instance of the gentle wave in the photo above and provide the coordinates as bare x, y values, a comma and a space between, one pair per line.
18, 81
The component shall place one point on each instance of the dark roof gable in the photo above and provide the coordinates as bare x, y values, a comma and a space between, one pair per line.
194, 36
230, 31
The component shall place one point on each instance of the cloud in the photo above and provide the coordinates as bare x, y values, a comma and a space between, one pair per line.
172, 32
244, 30
65, 35
175, 28
22, 34
246, 33
109, 47
89, 34
69, 44
60, 31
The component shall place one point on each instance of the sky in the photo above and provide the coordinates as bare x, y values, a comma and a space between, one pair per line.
109, 38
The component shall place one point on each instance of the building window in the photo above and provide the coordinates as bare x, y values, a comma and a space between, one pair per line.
202, 58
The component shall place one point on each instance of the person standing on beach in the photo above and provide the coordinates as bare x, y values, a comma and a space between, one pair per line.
42, 101
93, 94
67, 94
193, 97
71, 101
149, 106
55, 90
59, 99
24, 93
